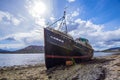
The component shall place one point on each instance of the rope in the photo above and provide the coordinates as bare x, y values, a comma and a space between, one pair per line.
55, 21
63, 22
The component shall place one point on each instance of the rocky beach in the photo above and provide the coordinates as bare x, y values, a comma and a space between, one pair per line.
99, 68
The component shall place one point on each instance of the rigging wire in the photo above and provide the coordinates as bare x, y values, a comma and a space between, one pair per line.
63, 22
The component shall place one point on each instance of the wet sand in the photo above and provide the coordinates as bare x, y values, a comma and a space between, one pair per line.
99, 68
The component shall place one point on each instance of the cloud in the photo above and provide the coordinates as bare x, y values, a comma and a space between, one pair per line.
71, 1
12, 46
96, 34
9, 43
30, 37
23, 39
10, 24
15, 21
29, 30
27, 33
75, 13
41, 22
26, 37
98, 37
6, 17
52, 19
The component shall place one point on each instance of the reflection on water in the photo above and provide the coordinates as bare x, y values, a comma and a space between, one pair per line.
20, 59
28, 59
96, 54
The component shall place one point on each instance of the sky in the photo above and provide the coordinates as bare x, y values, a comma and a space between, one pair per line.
22, 21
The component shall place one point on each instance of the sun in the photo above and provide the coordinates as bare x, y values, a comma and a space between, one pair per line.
37, 8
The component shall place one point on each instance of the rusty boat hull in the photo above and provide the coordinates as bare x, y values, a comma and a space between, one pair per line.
60, 47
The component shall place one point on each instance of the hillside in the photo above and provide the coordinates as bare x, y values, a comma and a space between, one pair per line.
116, 49
4, 51
31, 49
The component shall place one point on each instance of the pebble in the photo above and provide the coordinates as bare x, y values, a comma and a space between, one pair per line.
100, 68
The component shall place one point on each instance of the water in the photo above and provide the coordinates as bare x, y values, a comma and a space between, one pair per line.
96, 54
21, 59
29, 59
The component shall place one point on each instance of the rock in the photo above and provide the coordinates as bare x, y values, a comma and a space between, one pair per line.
101, 68
21, 73
118, 64
4, 79
49, 77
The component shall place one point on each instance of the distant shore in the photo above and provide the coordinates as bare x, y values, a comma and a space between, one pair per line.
12, 52
99, 68
23, 53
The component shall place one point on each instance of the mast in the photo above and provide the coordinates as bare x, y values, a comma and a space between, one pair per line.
63, 22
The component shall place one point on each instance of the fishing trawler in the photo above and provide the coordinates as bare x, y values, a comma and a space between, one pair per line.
60, 47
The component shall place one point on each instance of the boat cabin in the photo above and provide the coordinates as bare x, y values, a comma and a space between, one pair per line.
82, 41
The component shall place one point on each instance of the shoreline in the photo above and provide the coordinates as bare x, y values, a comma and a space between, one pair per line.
18, 67
23, 53
99, 68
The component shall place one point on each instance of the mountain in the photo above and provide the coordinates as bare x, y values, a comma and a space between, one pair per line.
116, 49
4, 51
31, 49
